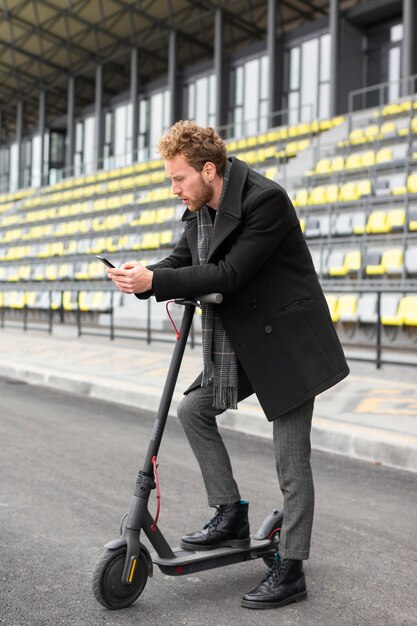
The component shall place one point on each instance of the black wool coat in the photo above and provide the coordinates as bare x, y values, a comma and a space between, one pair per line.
274, 310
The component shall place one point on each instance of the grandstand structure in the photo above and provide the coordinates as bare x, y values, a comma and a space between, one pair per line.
319, 95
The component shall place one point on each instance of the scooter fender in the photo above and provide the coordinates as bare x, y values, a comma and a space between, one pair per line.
121, 542
270, 526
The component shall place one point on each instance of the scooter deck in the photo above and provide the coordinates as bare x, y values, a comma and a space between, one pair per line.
189, 561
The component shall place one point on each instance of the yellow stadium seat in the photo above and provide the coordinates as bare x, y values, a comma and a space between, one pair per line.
317, 196
347, 307
371, 132
166, 237
377, 223
412, 223
332, 193
364, 188
384, 155
412, 183
332, 304
353, 161
323, 166
351, 264
391, 263
338, 164
70, 300
357, 136
368, 158
396, 220
301, 197
348, 192
406, 313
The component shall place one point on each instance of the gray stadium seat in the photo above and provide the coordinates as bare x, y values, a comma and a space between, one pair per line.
367, 308
410, 260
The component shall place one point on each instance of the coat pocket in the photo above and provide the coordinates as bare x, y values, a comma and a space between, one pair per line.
296, 305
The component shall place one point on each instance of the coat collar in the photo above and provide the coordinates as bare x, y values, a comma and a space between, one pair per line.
232, 201
230, 214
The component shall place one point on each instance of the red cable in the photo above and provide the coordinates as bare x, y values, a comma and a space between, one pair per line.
154, 527
177, 332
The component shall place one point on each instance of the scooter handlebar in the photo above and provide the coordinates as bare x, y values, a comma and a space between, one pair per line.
211, 298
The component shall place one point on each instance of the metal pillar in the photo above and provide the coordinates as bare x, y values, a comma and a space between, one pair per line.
98, 115
409, 46
42, 121
334, 47
19, 133
219, 71
70, 139
271, 49
172, 78
134, 101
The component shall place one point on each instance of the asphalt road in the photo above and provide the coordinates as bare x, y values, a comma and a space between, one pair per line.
68, 465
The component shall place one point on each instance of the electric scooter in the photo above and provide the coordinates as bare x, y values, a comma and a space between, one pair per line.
121, 573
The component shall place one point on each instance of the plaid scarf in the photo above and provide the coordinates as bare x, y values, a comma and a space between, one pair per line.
220, 365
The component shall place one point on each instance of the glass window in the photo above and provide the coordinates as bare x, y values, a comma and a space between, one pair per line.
89, 145
120, 135
309, 79
325, 42
295, 68
201, 109
397, 32
250, 88
14, 167
394, 69
251, 101
36, 161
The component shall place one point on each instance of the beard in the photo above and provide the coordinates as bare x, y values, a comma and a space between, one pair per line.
203, 195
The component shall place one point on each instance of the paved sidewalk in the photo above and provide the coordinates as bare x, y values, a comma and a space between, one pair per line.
371, 415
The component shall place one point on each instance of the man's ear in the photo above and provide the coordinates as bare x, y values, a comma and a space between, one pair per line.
209, 171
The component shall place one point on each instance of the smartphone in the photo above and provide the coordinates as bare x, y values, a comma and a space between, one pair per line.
105, 261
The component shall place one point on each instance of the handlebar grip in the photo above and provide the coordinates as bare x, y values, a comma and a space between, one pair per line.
211, 298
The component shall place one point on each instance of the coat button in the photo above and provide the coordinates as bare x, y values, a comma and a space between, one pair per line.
254, 304
268, 329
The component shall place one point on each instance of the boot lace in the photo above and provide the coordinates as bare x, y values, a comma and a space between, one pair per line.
275, 571
216, 519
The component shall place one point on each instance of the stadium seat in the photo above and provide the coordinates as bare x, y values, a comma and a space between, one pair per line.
377, 223
331, 300
412, 219
412, 183
338, 164
343, 224
351, 265
312, 227
367, 308
410, 261
406, 313
335, 260
391, 263
347, 307
384, 155
301, 198
396, 220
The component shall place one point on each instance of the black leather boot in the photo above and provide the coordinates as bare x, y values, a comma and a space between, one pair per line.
285, 583
228, 528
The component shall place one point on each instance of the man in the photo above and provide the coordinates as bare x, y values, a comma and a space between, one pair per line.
272, 335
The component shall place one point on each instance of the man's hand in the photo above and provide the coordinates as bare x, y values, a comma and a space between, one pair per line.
132, 277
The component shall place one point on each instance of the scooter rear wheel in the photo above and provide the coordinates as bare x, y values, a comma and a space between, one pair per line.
107, 580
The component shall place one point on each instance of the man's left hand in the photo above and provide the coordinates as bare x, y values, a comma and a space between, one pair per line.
132, 277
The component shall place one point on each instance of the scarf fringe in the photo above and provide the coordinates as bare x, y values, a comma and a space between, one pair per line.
224, 397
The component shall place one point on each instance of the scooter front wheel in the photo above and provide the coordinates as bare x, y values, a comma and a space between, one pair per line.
107, 580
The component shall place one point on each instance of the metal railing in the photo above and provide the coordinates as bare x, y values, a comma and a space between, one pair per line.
374, 349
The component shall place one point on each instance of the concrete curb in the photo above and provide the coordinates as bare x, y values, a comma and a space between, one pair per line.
374, 445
